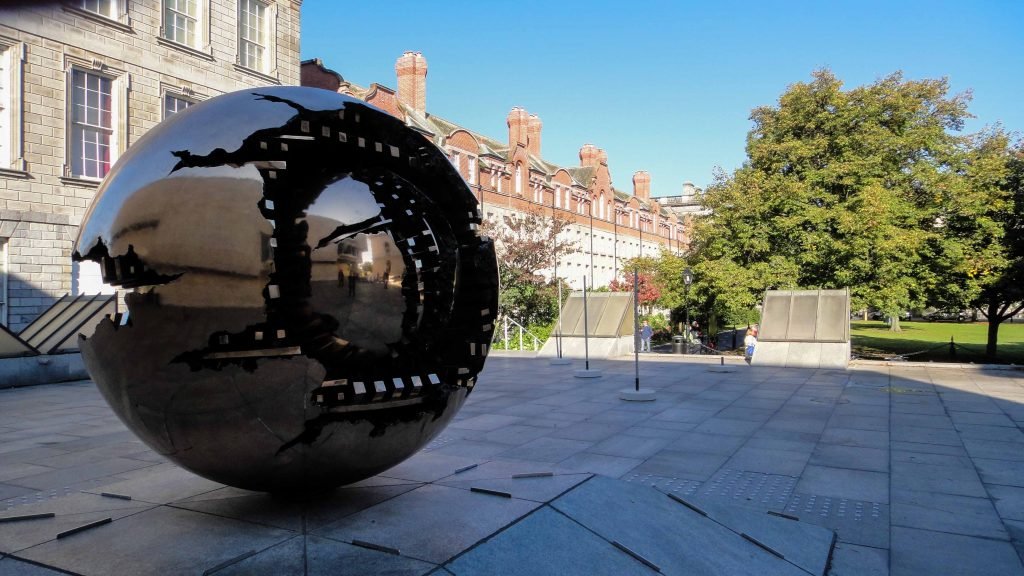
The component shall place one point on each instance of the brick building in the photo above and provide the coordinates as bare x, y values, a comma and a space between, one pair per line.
82, 80
511, 175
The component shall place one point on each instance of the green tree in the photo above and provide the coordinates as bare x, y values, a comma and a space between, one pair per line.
1002, 296
841, 188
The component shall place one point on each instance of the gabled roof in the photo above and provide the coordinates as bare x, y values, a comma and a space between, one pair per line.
583, 175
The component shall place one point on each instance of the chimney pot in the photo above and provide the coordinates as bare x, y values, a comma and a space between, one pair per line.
534, 126
518, 121
642, 185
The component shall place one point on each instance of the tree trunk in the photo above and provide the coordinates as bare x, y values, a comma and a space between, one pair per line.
865, 314
994, 319
894, 323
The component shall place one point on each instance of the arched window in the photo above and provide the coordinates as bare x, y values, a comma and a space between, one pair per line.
519, 179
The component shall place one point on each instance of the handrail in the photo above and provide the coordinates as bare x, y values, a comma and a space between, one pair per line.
506, 323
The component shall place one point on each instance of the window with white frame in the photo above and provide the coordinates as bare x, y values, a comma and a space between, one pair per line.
472, 170
105, 8
182, 22
12, 56
455, 161
174, 103
92, 135
519, 179
253, 35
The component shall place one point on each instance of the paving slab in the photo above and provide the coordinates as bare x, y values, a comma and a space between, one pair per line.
69, 512
630, 446
785, 462
955, 461
727, 426
14, 567
613, 466
538, 489
1004, 472
159, 484
859, 422
316, 556
431, 523
546, 449
985, 432
995, 449
691, 465
429, 466
947, 513
853, 560
159, 540
547, 542
638, 518
466, 448
74, 475
1008, 500
923, 435
941, 479
845, 483
704, 443
855, 457
514, 434
915, 552
856, 437
304, 512
801, 543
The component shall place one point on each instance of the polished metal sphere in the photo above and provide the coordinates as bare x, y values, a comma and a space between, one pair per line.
308, 299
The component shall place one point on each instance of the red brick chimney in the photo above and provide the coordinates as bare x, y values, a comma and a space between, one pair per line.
411, 69
533, 135
518, 127
591, 155
642, 185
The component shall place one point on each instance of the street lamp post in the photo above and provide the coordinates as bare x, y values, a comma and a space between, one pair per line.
687, 280
615, 245
590, 205
640, 222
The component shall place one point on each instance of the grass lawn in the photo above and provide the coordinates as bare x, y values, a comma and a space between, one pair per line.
873, 340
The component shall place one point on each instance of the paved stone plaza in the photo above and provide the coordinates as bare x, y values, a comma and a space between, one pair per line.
918, 469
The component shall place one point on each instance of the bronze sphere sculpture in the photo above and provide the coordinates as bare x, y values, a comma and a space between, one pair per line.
308, 298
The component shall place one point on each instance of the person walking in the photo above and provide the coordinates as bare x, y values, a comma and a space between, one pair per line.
646, 332
353, 275
749, 343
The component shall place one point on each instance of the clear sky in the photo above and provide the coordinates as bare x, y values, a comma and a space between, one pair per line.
665, 87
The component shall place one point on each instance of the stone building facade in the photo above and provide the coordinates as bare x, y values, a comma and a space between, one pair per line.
80, 81
510, 175
685, 205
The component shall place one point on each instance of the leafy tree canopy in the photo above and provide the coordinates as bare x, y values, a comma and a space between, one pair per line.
869, 188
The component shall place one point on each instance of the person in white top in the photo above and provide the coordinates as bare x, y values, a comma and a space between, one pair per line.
749, 343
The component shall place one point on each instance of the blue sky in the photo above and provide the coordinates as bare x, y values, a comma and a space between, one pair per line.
665, 87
